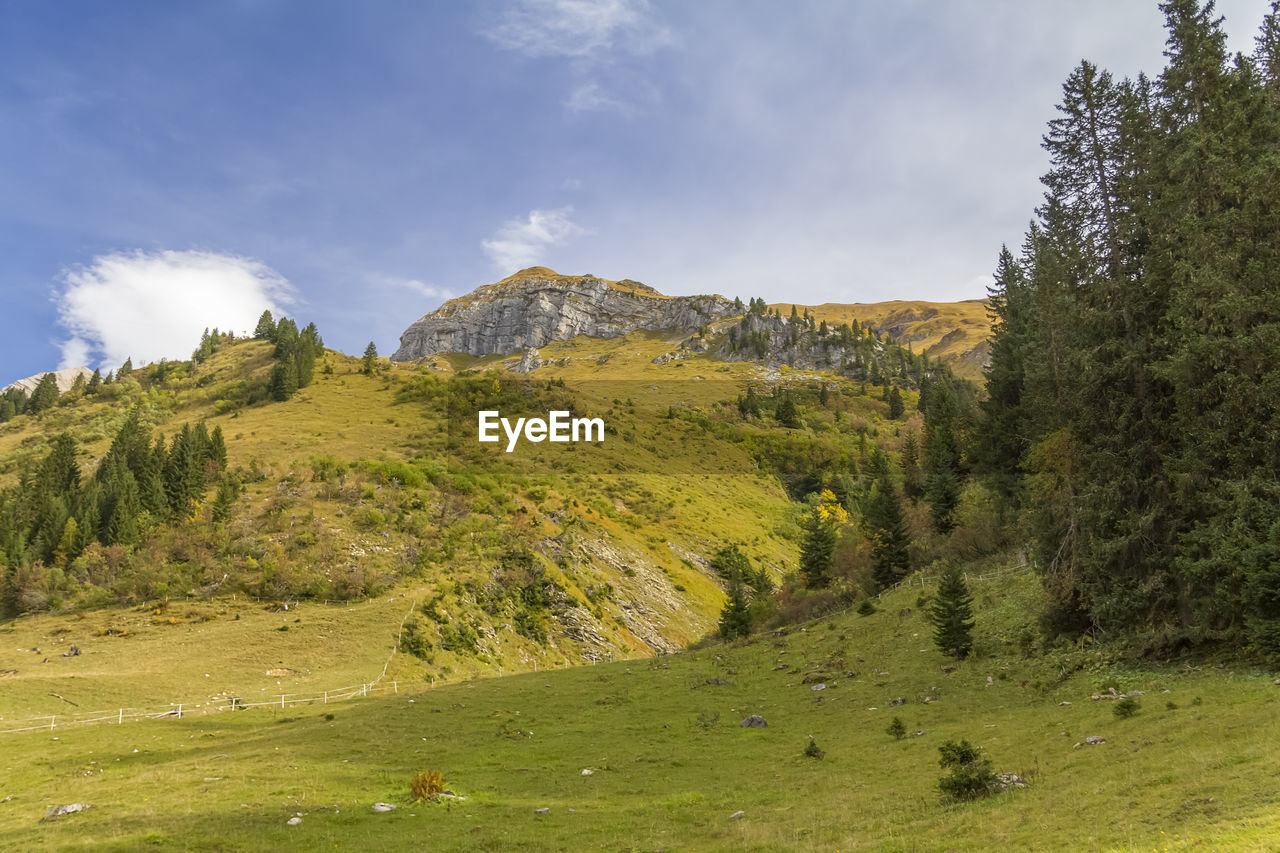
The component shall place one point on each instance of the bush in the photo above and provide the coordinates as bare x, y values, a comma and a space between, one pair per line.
813, 750
414, 640
426, 786
971, 776
897, 729
1125, 708
867, 607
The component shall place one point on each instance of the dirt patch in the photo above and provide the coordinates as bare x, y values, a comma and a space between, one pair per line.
276, 673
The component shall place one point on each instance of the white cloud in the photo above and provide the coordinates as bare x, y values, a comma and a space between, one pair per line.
523, 243
579, 28
153, 305
421, 288
593, 35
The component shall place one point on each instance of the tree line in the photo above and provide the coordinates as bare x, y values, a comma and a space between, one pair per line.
1135, 369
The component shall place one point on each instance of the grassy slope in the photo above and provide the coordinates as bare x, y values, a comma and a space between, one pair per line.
671, 763
716, 494
955, 332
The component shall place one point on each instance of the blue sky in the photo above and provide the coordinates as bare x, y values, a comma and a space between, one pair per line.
168, 166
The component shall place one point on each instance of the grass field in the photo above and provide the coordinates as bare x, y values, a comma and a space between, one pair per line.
1195, 767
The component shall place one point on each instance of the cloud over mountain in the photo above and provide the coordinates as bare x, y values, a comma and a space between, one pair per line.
153, 305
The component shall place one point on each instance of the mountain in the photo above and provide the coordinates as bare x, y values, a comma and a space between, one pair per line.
954, 332
66, 378
537, 306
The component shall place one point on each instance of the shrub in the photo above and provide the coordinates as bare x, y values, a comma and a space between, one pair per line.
971, 776
426, 786
897, 729
813, 750
867, 607
413, 639
370, 518
1125, 708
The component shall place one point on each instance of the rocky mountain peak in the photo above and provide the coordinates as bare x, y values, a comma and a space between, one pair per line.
538, 305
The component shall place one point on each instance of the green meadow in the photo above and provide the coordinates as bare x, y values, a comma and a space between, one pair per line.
1195, 767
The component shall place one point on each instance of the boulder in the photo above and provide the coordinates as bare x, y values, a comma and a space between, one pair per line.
755, 721
70, 808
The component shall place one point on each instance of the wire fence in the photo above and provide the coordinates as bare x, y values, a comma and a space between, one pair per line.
284, 701
178, 710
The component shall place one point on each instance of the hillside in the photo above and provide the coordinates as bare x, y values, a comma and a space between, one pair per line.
360, 484
953, 332
669, 764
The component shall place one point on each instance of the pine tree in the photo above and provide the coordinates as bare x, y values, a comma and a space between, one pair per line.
942, 455
952, 615
225, 500
896, 406
284, 380
886, 529
819, 543
786, 413
369, 363
126, 368
95, 383
44, 396
735, 617
122, 524
266, 328
218, 448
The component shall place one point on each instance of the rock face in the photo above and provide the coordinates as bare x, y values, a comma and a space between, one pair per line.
536, 306
66, 378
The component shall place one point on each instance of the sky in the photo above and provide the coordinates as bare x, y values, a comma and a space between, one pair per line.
166, 167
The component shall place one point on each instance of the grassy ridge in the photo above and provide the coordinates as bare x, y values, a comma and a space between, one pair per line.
671, 764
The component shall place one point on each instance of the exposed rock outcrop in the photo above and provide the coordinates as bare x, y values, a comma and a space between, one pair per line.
537, 306
66, 378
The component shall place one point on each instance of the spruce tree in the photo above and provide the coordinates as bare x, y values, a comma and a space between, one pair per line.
886, 529
735, 617
266, 328
896, 407
44, 396
952, 615
284, 380
819, 544
786, 413
369, 363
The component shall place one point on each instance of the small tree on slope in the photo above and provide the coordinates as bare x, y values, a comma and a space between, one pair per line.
952, 615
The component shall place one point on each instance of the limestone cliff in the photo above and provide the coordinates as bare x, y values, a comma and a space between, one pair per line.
537, 306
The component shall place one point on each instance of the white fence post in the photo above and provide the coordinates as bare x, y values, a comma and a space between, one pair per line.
395, 687
51, 720
120, 718
281, 700
179, 710
326, 697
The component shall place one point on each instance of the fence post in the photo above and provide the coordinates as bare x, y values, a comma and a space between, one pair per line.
282, 700
120, 718
326, 697
51, 720
364, 690
179, 710
395, 687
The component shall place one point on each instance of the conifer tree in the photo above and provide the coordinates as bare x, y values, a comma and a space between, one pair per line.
44, 396
735, 616
952, 614
886, 528
819, 544
369, 363
786, 412
284, 379
896, 406
266, 328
